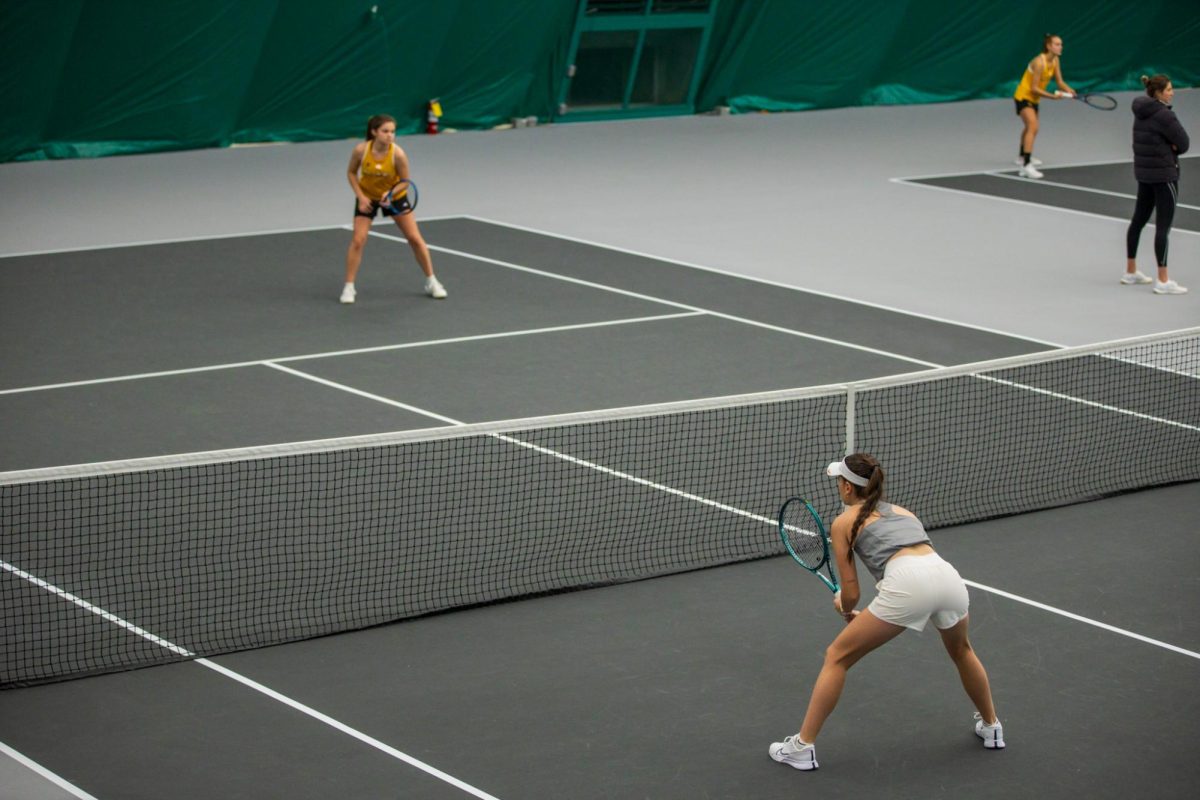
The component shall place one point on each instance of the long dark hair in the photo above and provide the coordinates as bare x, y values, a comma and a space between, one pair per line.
374, 123
1047, 39
865, 466
1156, 84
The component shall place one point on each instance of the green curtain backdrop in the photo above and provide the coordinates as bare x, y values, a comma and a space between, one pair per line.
83, 78
802, 54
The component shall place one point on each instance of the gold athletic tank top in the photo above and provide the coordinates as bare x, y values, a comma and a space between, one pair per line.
1025, 87
377, 175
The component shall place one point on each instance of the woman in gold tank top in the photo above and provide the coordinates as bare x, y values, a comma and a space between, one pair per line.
1029, 93
376, 165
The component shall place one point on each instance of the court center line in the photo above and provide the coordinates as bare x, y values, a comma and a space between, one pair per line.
663, 301
33, 766
1077, 188
360, 393
258, 687
356, 351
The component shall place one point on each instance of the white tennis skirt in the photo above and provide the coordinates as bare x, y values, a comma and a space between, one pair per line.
916, 589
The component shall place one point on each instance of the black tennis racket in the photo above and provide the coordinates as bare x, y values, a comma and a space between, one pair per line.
805, 538
1104, 102
401, 198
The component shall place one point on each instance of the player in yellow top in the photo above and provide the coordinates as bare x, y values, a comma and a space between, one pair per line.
1032, 88
376, 165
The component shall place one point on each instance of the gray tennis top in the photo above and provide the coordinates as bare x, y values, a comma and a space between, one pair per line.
880, 540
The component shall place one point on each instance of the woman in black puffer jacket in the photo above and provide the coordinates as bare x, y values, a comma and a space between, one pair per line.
1158, 141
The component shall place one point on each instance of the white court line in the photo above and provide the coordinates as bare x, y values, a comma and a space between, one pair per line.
1030, 204
174, 648
549, 452
356, 351
764, 281
346, 729
1085, 620
186, 239
759, 518
45, 773
1090, 403
1068, 165
1077, 188
661, 301
361, 393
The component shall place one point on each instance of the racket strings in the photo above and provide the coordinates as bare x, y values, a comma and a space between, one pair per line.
804, 538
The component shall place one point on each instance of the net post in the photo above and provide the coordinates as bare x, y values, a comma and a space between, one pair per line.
850, 418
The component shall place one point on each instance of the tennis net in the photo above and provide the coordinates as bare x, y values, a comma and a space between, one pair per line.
117, 565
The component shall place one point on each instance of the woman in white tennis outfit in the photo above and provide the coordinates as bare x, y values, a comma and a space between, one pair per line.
915, 585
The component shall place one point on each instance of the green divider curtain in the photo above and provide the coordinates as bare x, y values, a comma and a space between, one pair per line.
81, 78
102, 77
792, 55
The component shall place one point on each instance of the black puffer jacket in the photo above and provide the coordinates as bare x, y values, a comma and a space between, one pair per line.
1158, 141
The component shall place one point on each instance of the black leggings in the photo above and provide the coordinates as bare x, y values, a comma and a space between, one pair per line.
1149, 197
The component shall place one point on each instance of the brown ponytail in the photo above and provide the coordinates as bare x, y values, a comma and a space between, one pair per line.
865, 466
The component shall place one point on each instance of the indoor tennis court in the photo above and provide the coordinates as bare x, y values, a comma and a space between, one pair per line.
518, 543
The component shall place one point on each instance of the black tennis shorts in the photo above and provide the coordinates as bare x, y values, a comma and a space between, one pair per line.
1025, 104
376, 207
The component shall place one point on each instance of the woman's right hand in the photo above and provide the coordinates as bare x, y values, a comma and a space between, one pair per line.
364, 205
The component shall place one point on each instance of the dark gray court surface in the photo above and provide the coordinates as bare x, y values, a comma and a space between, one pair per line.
221, 318
1103, 189
665, 688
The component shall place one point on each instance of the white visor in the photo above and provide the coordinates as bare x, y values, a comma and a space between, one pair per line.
838, 469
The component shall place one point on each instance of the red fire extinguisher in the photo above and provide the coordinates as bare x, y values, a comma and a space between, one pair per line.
433, 111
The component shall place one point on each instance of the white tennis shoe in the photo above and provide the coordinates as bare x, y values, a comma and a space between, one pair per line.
992, 735
347, 294
1170, 287
1030, 171
1033, 160
434, 289
794, 753
1130, 278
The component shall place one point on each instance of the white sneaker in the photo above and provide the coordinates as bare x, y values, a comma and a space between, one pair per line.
794, 753
1170, 287
992, 735
1033, 161
1130, 278
348, 293
1029, 171
434, 289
